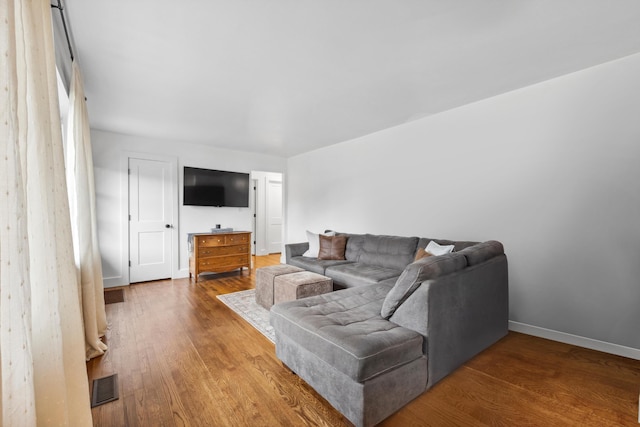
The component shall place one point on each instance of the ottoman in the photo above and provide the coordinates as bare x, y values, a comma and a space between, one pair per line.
293, 286
264, 282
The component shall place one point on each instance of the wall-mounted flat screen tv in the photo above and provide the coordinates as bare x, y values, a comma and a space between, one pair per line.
207, 187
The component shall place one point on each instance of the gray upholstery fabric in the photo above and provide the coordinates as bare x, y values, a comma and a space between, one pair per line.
359, 274
292, 250
377, 257
294, 253
363, 403
389, 282
264, 282
333, 339
354, 246
482, 252
313, 264
392, 252
461, 314
417, 272
344, 329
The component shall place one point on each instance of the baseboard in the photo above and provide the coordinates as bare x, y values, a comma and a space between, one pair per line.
182, 273
113, 282
606, 347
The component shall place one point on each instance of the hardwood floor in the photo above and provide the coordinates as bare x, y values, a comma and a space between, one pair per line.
184, 359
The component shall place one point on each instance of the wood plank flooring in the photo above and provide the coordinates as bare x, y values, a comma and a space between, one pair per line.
184, 359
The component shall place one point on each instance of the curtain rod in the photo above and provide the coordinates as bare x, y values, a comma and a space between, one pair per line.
64, 25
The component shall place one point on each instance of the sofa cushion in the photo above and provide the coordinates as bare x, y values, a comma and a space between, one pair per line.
357, 274
482, 251
314, 264
332, 247
354, 246
345, 330
418, 272
388, 251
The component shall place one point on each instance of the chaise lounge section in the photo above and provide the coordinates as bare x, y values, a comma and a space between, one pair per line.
372, 347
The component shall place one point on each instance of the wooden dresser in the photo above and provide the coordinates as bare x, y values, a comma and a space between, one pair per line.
219, 252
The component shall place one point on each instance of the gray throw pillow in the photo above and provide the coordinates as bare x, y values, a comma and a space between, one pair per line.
416, 273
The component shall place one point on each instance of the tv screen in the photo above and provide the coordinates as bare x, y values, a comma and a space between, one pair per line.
206, 187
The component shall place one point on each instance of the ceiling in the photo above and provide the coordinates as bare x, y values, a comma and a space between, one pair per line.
284, 77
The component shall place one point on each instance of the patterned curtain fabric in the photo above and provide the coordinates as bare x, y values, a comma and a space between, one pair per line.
42, 351
82, 203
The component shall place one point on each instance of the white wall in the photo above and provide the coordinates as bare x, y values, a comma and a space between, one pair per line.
109, 156
551, 170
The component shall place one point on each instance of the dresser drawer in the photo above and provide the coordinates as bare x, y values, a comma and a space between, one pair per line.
210, 264
209, 251
207, 241
234, 239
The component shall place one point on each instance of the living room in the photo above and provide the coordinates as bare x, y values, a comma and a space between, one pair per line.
548, 169
546, 165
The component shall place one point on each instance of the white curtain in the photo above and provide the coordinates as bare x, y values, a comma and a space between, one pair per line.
82, 203
42, 351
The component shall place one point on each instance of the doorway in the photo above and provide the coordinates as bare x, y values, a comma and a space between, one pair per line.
150, 219
274, 214
268, 212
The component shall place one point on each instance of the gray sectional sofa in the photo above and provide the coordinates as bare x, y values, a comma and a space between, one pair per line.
398, 327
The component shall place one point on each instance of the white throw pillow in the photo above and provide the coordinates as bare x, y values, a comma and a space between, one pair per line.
435, 249
314, 243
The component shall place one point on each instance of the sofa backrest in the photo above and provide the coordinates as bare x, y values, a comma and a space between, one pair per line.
428, 268
354, 245
388, 251
433, 267
482, 252
393, 251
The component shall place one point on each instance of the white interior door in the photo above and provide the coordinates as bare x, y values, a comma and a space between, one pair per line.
274, 215
150, 220
254, 194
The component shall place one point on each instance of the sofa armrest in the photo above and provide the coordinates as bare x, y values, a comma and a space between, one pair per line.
295, 249
460, 314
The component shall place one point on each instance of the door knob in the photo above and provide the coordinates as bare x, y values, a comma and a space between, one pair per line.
167, 226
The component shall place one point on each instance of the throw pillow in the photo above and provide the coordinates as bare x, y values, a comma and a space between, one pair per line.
435, 249
314, 244
332, 247
416, 273
421, 253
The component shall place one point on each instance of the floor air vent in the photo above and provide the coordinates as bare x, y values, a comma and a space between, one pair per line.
113, 296
104, 390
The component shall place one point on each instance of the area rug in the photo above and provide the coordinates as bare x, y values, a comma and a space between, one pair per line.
244, 303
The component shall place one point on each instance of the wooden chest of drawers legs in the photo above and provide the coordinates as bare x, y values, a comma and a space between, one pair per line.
219, 252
